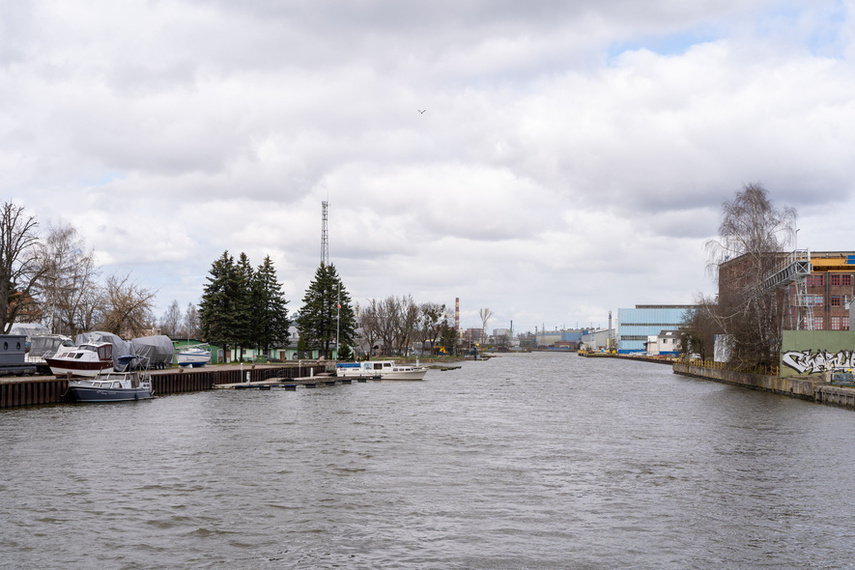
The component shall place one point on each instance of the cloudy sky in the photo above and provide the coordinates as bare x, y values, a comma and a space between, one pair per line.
571, 159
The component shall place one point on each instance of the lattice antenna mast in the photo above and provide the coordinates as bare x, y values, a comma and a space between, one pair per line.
325, 238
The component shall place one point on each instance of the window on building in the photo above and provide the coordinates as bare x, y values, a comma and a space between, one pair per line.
835, 323
818, 324
834, 301
834, 279
846, 280
814, 281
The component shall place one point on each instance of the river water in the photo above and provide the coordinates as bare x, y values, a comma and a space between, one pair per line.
522, 461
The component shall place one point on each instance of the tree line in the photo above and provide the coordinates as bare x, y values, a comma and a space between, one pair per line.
53, 279
243, 307
390, 326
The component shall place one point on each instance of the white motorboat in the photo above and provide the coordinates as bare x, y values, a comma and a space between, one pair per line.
380, 369
195, 355
127, 385
84, 360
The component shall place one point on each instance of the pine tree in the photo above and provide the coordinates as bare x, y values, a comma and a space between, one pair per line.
269, 311
327, 313
244, 310
217, 311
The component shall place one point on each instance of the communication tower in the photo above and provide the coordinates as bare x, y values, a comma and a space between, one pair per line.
325, 240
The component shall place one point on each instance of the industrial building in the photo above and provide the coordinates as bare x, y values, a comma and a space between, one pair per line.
816, 288
634, 326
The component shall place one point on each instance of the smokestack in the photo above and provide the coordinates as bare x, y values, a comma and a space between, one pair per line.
457, 314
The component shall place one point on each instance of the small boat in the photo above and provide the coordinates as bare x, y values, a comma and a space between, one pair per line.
85, 360
126, 385
195, 355
380, 369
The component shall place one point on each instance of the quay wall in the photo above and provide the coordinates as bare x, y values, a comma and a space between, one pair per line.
795, 387
814, 388
33, 391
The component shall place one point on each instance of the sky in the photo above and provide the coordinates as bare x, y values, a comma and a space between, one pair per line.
571, 159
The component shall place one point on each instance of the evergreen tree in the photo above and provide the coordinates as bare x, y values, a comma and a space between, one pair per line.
326, 312
270, 320
245, 320
217, 312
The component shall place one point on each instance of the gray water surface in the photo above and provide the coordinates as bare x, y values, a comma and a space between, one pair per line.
522, 461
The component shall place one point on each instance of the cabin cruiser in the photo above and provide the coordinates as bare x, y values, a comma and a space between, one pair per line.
84, 360
380, 370
126, 384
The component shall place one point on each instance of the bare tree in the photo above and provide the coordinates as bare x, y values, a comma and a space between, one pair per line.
752, 235
388, 311
368, 326
405, 324
700, 325
430, 320
485, 315
191, 322
127, 307
20, 262
170, 322
68, 288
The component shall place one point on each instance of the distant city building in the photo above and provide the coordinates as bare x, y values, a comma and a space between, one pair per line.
635, 326
567, 339
598, 339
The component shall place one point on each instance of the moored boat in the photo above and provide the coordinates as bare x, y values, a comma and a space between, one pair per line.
380, 369
126, 385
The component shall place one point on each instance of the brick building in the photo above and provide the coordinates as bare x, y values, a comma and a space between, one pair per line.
813, 288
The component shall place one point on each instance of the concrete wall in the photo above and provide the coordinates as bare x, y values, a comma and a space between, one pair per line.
814, 352
795, 387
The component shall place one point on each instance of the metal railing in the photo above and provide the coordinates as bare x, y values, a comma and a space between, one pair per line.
713, 365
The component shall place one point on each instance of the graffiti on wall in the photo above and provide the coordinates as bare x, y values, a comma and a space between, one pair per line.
815, 362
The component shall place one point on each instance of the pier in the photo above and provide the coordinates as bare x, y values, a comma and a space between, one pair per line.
38, 390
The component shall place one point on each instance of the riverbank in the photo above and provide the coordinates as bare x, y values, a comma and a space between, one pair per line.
812, 388
817, 389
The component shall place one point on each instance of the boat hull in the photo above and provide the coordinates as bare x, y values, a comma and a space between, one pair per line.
408, 375
195, 359
61, 367
92, 394
380, 370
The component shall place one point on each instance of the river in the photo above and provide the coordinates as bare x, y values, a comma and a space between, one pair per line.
522, 461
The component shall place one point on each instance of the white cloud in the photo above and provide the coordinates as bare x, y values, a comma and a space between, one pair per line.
572, 159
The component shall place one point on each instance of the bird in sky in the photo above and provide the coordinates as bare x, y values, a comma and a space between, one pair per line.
421, 112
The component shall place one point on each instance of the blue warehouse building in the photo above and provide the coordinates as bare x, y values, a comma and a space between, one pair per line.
635, 325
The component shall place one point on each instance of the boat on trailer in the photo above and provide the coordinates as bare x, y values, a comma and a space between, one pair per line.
126, 384
195, 355
380, 370
84, 360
